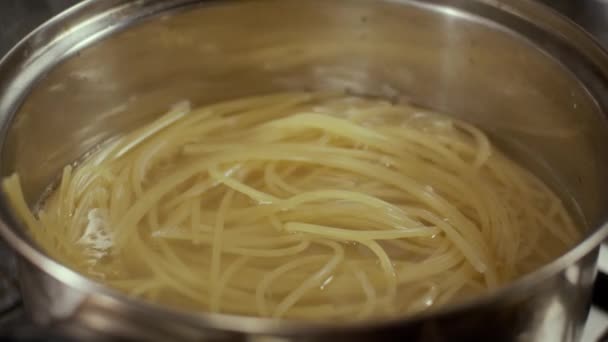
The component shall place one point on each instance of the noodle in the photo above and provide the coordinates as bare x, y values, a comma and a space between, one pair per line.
300, 205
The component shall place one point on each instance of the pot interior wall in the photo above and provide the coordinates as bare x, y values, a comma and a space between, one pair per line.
439, 57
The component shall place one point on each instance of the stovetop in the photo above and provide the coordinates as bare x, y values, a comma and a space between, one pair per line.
18, 17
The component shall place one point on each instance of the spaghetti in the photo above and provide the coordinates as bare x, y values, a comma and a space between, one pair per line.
301, 205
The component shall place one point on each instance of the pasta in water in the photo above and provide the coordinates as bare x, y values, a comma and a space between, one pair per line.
303, 206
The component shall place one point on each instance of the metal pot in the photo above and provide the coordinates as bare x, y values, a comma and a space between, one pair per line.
530, 78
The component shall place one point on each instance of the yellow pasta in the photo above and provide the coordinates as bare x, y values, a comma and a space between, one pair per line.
301, 206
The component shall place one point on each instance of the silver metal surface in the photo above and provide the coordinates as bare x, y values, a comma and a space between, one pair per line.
533, 80
18, 18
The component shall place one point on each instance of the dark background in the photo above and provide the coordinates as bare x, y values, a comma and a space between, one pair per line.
18, 17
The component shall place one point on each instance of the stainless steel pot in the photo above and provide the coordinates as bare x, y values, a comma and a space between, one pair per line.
532, 79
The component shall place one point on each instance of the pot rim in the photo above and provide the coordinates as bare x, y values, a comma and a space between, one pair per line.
12, 230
